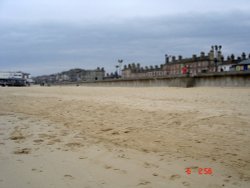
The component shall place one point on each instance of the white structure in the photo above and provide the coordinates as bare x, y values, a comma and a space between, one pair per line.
14, 78
224, 68
14, 75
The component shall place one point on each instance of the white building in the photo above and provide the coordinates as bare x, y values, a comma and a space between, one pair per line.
224, 68
8, 78
14, 75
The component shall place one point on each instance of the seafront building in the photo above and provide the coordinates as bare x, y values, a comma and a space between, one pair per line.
212, 62
199, 66
10, 78
73, 75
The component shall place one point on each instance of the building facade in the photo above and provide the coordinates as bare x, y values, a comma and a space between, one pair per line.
213, 61
73, 75
9, 78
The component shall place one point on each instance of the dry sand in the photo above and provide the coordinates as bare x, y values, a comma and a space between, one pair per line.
124, 137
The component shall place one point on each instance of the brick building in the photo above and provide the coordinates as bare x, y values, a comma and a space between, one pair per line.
213, 61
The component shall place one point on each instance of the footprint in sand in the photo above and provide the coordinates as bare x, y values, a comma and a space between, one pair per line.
107, 129
185, 183
120, 171
36, 170
107, 167
232, 154
82, 157
115, 133
123, 156
145, 150
38, 141
116, 169
68, 176
23, 151
143, 182
226, 180
47, 136
74, 145
174, 177
16, 135
150, 165
64, 133
50, 142
53, 141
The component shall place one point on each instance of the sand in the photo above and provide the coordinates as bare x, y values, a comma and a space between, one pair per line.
124, 137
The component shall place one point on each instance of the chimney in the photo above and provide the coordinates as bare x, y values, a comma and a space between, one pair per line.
194, 57
179, 57
133, 66
202, 54
166, 59
232, 56
173, 59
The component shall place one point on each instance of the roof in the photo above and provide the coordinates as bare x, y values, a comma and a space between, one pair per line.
14, 72
245, 62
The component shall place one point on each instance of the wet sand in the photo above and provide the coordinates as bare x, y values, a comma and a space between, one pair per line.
124, 137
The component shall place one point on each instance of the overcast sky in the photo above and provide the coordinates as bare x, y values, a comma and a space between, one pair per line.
49, 36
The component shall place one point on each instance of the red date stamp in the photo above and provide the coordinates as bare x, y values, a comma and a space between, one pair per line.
201, 171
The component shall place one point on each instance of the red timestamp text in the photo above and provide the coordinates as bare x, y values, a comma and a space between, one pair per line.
201, 171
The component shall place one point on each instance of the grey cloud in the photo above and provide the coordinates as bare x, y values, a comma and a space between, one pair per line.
51, 46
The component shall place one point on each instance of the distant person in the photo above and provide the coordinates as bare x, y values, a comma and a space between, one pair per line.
184, 70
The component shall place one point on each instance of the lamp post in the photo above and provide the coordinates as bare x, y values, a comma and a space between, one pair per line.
116, 72
120, 65
217, 56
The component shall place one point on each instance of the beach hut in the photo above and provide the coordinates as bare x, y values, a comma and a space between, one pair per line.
243, 65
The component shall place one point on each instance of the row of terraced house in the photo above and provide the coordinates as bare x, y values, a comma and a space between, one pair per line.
211, 62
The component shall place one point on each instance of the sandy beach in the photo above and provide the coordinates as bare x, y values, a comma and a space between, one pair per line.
110, 137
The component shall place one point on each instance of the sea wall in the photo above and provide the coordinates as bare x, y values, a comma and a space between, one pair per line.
225, 79
155, 82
